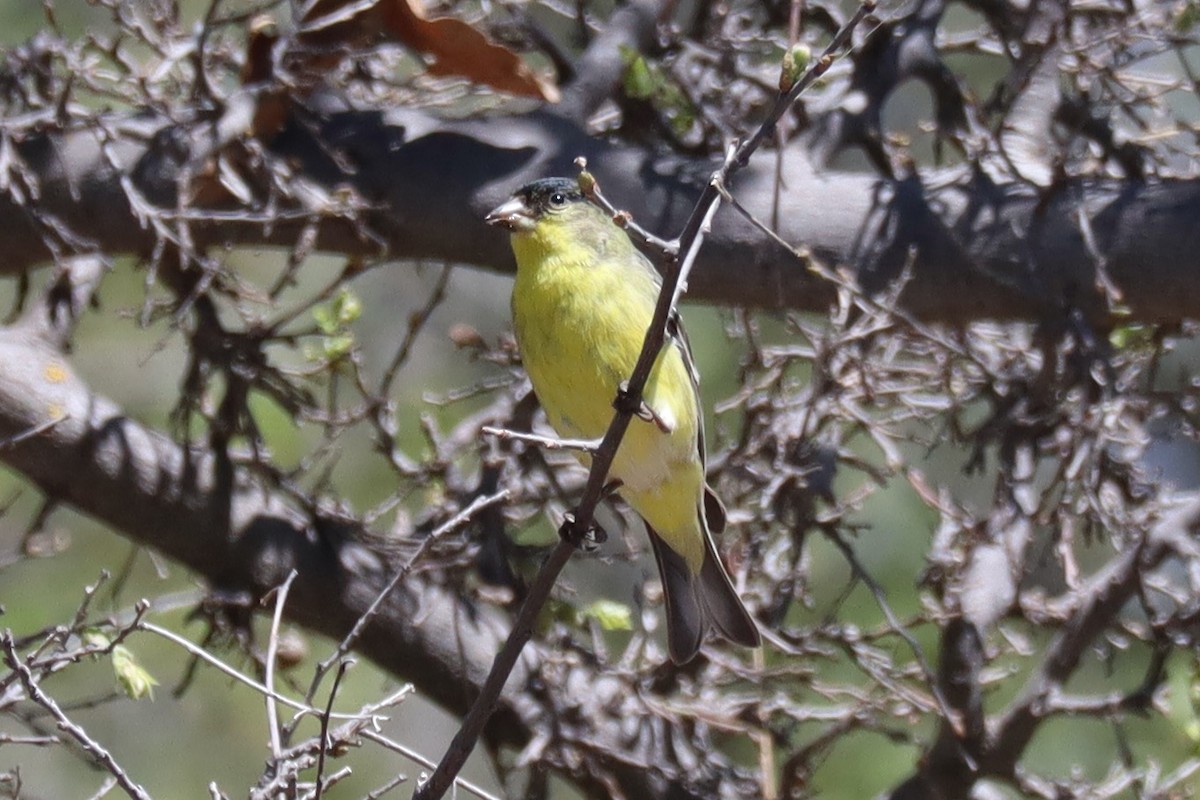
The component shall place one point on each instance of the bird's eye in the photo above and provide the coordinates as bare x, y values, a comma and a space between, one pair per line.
558, 199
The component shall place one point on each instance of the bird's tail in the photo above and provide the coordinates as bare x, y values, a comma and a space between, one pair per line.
699, 601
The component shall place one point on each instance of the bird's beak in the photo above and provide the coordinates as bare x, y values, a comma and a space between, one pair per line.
512, 214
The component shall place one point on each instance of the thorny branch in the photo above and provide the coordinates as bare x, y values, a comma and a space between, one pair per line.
579, 523
13, 660
1054, 185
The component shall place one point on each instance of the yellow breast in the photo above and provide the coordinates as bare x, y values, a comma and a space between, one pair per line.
580, 324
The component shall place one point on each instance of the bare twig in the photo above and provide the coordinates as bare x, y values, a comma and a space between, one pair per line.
547, 442
413, 755
204, 655
272, 648
36, 430
347, 643
323, 748
35, 693
489, 693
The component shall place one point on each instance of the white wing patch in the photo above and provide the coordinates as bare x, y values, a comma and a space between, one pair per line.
665, 420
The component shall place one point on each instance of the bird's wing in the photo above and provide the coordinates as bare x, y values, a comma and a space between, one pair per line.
714, 509
677, 335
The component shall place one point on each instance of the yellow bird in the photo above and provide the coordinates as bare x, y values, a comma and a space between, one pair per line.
583, 299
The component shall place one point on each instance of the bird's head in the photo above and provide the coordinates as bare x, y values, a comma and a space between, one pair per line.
550, 200
552, 218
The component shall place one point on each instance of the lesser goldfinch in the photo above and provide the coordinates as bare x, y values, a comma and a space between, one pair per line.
582, 301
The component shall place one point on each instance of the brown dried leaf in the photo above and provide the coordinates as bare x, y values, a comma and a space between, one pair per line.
271, 111
456, 47
258, 67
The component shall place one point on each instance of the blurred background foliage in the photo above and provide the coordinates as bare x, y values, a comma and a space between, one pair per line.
216, 730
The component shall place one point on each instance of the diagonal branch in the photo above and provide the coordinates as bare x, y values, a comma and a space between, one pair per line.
965, 232
579, 523
944, 773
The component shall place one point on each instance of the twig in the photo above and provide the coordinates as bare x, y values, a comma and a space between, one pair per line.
204, 655
898, 627
413, 755
547, 442
324, 744
360, 625
1100, 601
29, 433
763, 739
105, 788
818, 68
623, 219
272, 649
472, 725
93, 747
36, 741
416, 323
374, 794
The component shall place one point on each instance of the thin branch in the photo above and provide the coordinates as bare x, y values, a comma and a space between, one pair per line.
272, 649
1100, 601
323, 748
489, 693
589, 446
29, 433
413, 755
898, 627
105, 788
351, 638
212, 660
97, 751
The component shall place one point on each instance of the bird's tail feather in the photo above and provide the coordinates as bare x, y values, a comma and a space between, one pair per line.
714, 511
722, 606
696, 602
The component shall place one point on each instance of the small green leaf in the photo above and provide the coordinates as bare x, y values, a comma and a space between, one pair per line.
326, 319
639, 82
338, 346
132, 677
649, 82
1132, 336
94, 638
334, 316
348, 306
682, 121
333, 320
611, 615
557, 611
135, 679
1187, 17
795, 61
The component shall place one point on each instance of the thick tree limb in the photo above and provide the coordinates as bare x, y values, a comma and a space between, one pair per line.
982, 250
245, 538
157, 493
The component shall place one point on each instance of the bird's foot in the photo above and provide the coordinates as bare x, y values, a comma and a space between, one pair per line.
587, 539
626, 404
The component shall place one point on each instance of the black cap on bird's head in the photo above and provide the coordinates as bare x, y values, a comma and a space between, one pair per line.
534, 200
